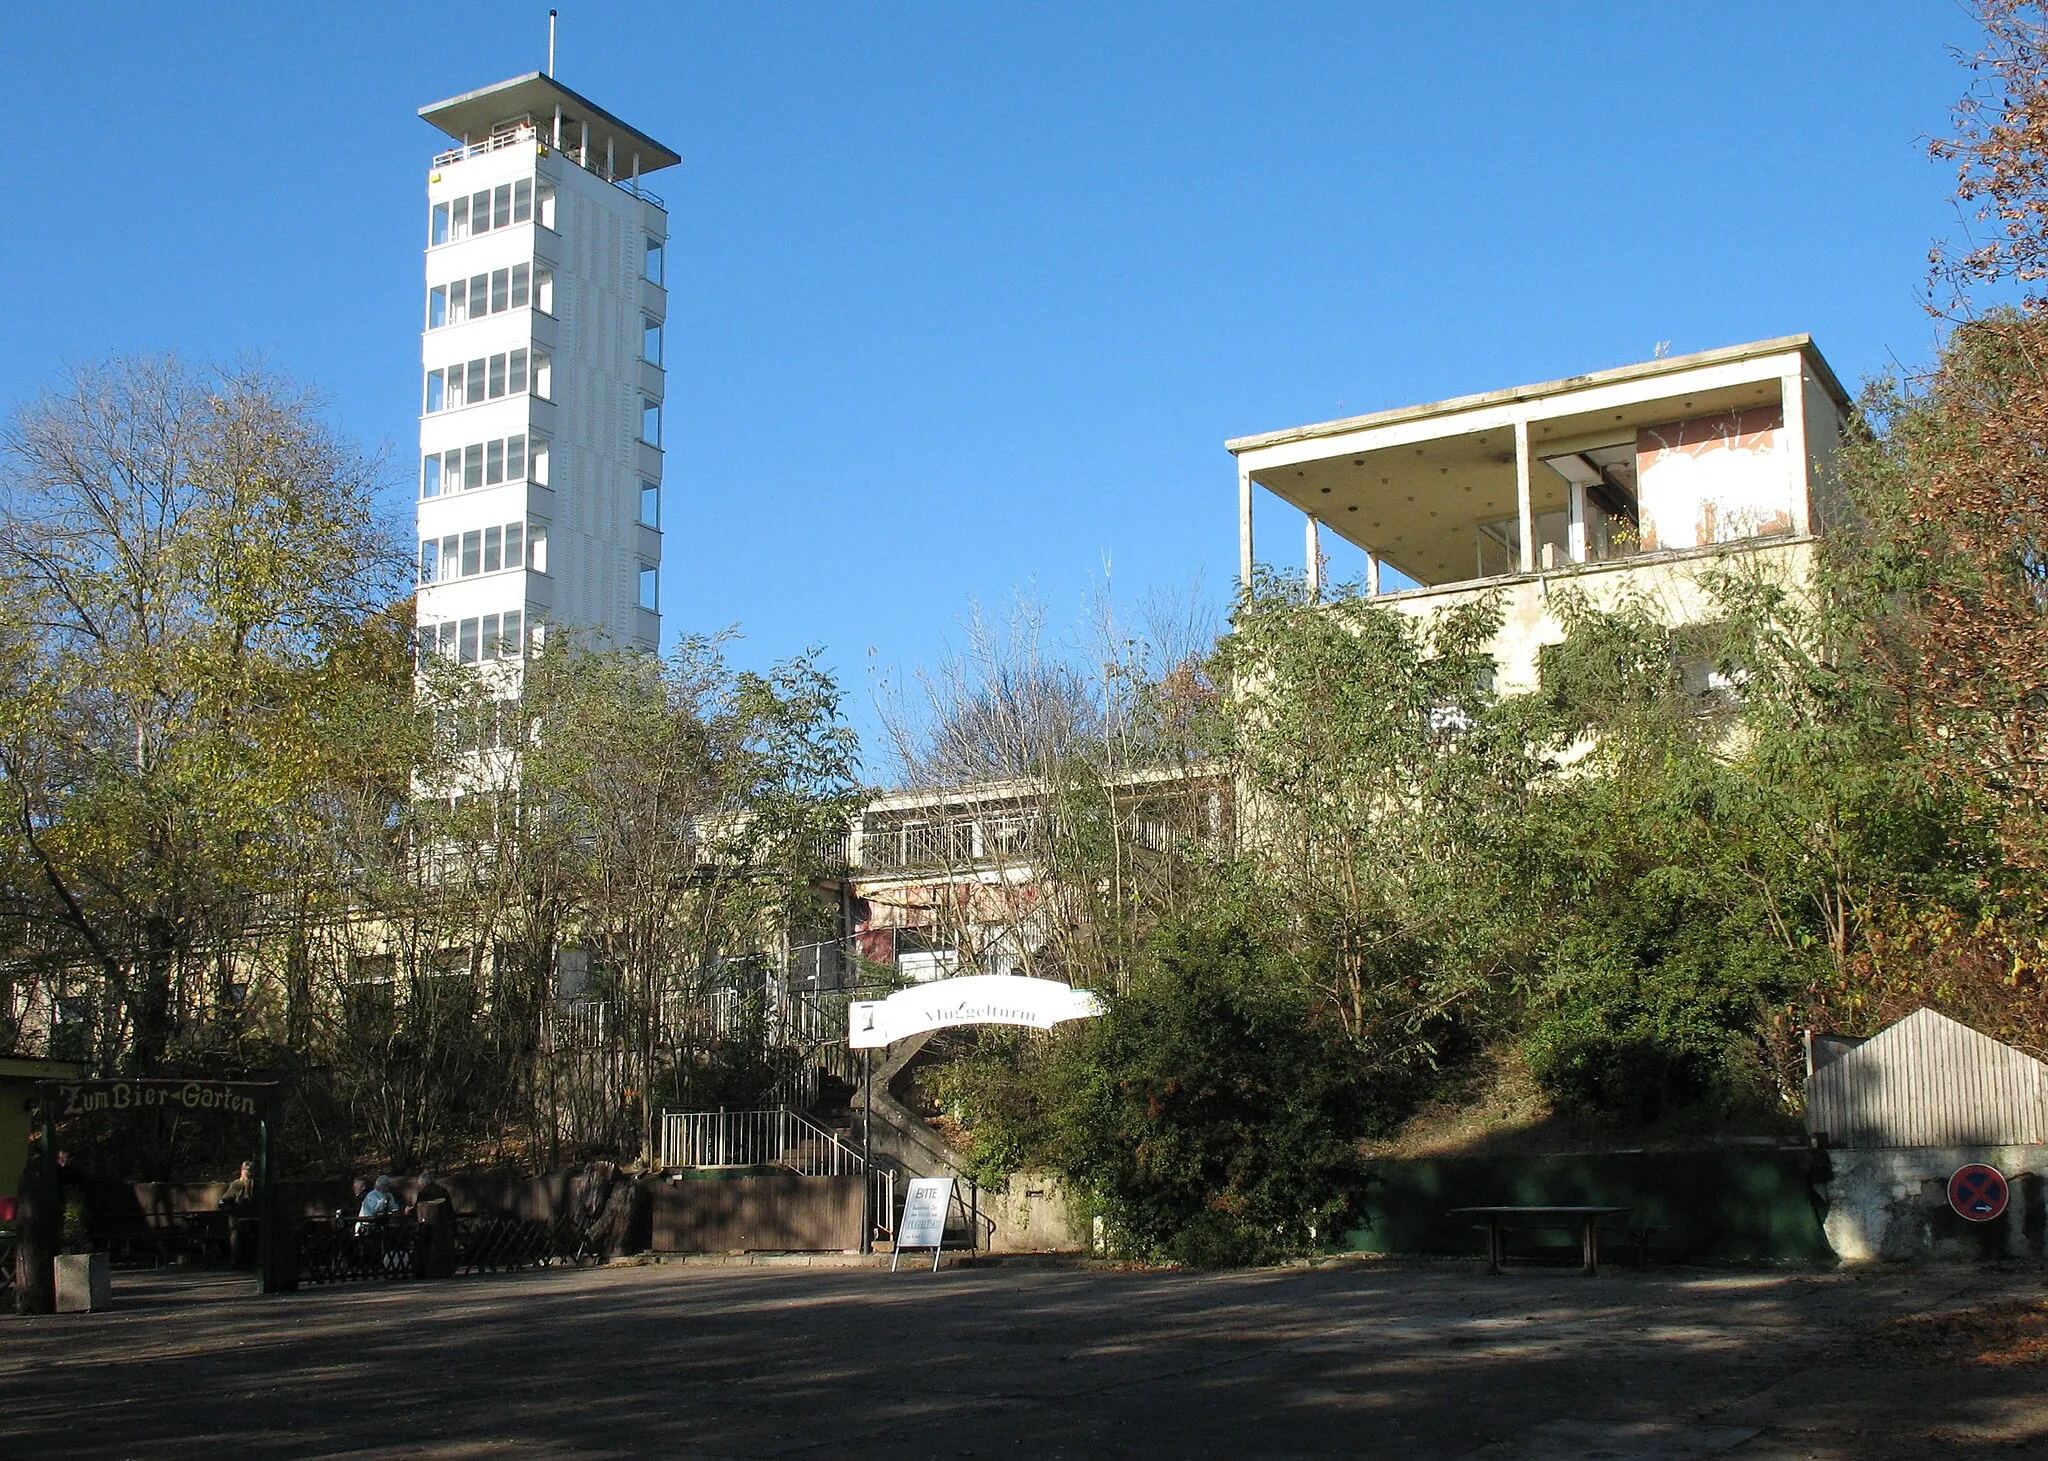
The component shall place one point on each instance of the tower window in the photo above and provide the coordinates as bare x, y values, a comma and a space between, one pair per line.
522, 200
459, 214
652, 268
650, 587
438, 233
430, 476
650, 422
501, 211
650, 504
650, 342
436, 397
437, 307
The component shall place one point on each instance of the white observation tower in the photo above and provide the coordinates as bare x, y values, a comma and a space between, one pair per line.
540, 409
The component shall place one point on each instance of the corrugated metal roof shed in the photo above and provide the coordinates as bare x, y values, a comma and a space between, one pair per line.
1929, 1081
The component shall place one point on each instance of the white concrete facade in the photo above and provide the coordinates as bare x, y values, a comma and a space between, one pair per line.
542, 387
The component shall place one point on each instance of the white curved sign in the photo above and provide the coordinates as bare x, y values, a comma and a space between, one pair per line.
975, 999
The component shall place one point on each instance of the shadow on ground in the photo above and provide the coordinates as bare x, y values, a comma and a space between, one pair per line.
1358, 1360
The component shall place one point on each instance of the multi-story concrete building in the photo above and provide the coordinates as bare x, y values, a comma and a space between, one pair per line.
1625, 483
541, 400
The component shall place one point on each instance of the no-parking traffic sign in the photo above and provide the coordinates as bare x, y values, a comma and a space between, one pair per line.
1977, 1192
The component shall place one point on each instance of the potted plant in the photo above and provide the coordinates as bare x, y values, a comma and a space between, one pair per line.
85, 1279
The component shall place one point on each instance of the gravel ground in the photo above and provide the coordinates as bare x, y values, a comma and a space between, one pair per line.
1355, 1359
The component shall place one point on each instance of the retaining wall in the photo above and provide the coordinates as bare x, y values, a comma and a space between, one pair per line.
1731, 1206
1891, 1204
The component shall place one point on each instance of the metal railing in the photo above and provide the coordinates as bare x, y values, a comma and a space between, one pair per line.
775, 1137
529, 133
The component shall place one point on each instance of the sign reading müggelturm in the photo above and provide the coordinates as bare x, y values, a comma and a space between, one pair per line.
976, 999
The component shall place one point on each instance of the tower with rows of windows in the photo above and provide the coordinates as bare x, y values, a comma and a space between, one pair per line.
540, 424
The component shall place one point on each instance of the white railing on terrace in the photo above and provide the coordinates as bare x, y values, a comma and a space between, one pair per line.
526, 132
777, 1137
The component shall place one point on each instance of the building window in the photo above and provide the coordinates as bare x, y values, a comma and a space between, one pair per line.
650, 504
486, 550
650, 342
471, 641
543, 376
537, 547
459, 219
544, 291
437, 307
486, 379
544, 206
438, 234
537, 452
472, 468
430, 476
522, 200
653, 266
650, 587
650, 422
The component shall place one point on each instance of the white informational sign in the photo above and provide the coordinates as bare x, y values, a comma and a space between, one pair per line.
924, 1217
975, 999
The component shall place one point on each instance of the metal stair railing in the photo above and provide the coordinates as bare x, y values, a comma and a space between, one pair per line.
773, 1137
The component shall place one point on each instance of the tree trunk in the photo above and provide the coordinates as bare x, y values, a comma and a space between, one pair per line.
40, 1214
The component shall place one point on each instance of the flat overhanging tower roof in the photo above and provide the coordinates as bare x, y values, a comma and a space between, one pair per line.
533, 97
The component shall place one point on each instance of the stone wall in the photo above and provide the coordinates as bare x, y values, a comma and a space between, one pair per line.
1890, 1204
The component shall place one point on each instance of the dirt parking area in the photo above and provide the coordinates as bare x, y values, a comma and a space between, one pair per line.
1357, 1359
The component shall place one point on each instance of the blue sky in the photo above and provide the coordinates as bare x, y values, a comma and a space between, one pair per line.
965, 297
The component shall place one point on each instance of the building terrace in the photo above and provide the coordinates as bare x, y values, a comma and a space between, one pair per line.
1624, 481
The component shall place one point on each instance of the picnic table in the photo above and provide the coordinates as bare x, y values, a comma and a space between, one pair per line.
1502, 1220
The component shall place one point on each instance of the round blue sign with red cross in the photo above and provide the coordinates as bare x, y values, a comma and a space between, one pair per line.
1977, 1192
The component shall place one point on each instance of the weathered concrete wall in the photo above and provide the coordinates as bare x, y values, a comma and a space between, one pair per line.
1031, 1216
1891, 1204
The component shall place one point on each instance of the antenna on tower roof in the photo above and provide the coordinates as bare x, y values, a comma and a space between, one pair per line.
551, 43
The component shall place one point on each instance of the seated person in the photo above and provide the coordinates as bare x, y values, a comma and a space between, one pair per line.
379, 1202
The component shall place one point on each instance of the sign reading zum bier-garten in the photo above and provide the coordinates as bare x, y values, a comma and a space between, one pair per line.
228, 1098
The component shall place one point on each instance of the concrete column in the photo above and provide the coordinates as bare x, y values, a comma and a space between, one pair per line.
1244, 529
1523, 500
1575, 534
558, 126
1372, 574
1798, 469
1313, 557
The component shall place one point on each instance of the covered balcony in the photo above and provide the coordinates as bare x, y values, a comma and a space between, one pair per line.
1675, 456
